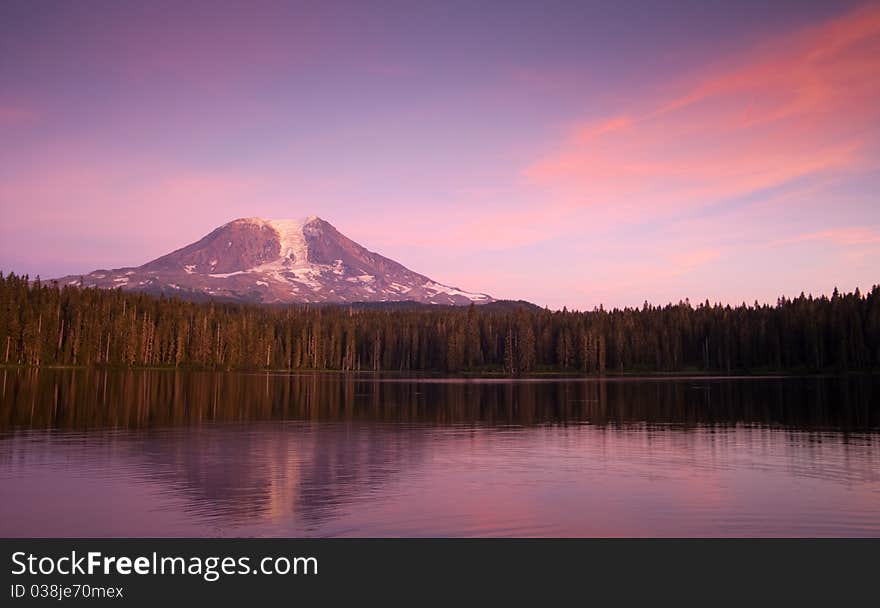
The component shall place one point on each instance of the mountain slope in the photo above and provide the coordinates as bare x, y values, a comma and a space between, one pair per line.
279, 261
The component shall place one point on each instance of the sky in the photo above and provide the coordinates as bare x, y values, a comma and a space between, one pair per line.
567, 153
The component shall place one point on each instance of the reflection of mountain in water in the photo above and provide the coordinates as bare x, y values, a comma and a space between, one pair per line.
282, 454
275, 470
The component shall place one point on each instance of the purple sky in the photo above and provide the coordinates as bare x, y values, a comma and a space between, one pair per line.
567, 153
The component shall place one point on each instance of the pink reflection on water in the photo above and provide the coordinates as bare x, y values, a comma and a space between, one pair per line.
328, 479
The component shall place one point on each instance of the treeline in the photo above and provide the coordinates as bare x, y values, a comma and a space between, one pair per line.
44, 324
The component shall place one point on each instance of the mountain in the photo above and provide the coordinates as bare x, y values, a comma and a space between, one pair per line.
279, 261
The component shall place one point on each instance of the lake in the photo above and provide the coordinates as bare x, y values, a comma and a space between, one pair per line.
174, 453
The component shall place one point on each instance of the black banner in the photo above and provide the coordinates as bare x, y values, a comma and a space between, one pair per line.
150, 572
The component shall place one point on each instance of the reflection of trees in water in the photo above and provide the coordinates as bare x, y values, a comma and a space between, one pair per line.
80, 399
280, 466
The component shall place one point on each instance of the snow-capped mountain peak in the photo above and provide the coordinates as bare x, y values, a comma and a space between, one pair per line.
280, 261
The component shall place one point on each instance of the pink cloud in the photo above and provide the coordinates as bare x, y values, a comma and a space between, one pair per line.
682, 263
855, 235
803, 106
590, 132
468, 225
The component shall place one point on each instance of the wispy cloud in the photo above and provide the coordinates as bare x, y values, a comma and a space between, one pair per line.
855, 235
683, 263
803, 105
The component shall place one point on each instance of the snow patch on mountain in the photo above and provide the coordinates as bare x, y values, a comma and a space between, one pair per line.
293, 241
452, 291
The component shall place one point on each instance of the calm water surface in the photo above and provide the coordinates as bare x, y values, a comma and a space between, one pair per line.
161, 453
